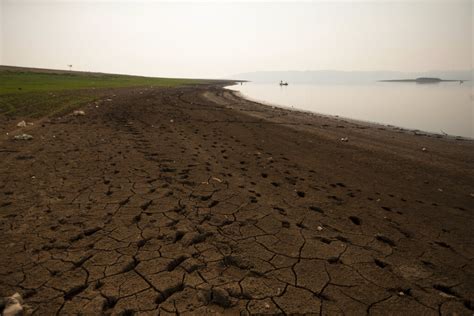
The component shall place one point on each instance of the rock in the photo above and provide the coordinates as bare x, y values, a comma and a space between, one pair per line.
220, 296
344, 139
78, 113
21, 124
319, 228
23, 137
424, 149
13, 305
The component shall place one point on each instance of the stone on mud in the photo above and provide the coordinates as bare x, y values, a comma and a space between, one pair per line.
23, 137
13, 305
78, 113
21, 124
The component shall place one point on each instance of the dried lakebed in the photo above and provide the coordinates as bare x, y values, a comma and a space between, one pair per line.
194, 201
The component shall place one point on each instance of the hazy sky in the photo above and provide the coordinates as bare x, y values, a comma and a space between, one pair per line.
210, 39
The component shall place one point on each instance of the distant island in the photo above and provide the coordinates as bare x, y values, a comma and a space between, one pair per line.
423, 80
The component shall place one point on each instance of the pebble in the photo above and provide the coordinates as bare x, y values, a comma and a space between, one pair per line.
79, 113
13, 305
23, 137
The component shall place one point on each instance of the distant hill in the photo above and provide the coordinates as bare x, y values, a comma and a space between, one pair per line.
335, 76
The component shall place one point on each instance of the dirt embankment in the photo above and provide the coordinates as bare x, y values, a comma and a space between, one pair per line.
192, 200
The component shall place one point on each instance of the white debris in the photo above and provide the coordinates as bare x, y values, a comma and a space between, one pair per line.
344, 139
424, 149
21, 124
171, 121
217, 179
445, 295
13, 305
23, 137
319, 228
78, 113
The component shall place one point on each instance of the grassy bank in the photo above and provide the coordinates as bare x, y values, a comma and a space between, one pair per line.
34, 93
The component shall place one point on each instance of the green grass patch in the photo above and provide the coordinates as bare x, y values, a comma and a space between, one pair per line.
25, 81
34, 94
36, 105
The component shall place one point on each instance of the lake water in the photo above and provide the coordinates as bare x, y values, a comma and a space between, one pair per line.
442, 107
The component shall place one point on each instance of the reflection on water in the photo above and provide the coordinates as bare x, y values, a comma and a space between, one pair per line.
439, 108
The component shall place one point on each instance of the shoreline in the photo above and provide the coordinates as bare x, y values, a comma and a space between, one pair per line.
357, 121
193, 200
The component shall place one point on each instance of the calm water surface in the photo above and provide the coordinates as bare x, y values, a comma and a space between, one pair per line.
443, 107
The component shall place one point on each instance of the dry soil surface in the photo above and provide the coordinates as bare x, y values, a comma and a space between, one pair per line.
194, 201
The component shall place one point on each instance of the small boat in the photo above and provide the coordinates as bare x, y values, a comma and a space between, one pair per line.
283, 83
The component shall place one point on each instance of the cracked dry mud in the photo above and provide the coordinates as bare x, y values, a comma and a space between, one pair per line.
194, 201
